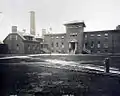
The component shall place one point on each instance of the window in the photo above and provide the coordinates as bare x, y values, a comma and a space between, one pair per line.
92, 44
86, 44
106, 50
106, 35
33, 47
85, 35
28, 47
91, 51
92, 35
29, 38
105, 45
37, 47
98, 45
69, 45
57, 37
10, 37
16, 37
73, 34
57, 44
41, 45
98, 51
17, 47
62, 37
99, 35
52, 44
52, 37
62, 45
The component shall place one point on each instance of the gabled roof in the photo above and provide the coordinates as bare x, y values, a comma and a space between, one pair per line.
21, 35
18, 33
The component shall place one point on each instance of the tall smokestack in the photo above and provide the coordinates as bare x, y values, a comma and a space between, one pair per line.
32, 22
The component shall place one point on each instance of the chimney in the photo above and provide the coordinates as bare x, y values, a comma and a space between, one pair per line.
118, 27
24, 30
14, 29
32, 22
43, 32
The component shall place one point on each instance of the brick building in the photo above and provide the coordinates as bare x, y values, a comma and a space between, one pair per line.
56, 42
76, 40
69, 42
3, 48
22, 43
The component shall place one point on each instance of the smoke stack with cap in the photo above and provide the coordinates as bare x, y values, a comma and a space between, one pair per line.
32, 22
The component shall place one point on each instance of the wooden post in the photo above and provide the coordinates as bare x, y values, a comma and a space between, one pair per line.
107, 65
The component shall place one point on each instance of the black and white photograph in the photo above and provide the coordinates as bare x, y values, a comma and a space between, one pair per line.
59, 48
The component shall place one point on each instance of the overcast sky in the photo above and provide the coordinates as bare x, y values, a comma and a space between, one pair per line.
97, 14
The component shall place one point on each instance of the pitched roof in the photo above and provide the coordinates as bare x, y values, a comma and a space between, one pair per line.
21, 34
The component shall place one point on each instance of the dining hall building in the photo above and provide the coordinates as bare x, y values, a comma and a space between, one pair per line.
77, 41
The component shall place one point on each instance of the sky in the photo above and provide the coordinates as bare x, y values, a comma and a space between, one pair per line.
97, 14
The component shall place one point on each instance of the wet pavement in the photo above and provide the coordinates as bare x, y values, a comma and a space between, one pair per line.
40, 76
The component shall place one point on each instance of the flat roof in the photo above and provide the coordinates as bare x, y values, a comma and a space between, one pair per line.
75, 22
101, 31
55, 34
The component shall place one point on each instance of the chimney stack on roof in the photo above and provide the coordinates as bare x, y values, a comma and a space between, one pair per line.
43, 32
14, 29
24, 30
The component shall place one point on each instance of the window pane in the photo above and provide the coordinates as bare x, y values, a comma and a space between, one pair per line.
85, 35
99, 35
92, 35
106, 34
92, 44
98, 45
52, 44
57, 44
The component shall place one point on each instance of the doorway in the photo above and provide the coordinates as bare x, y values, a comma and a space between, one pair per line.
72, 47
